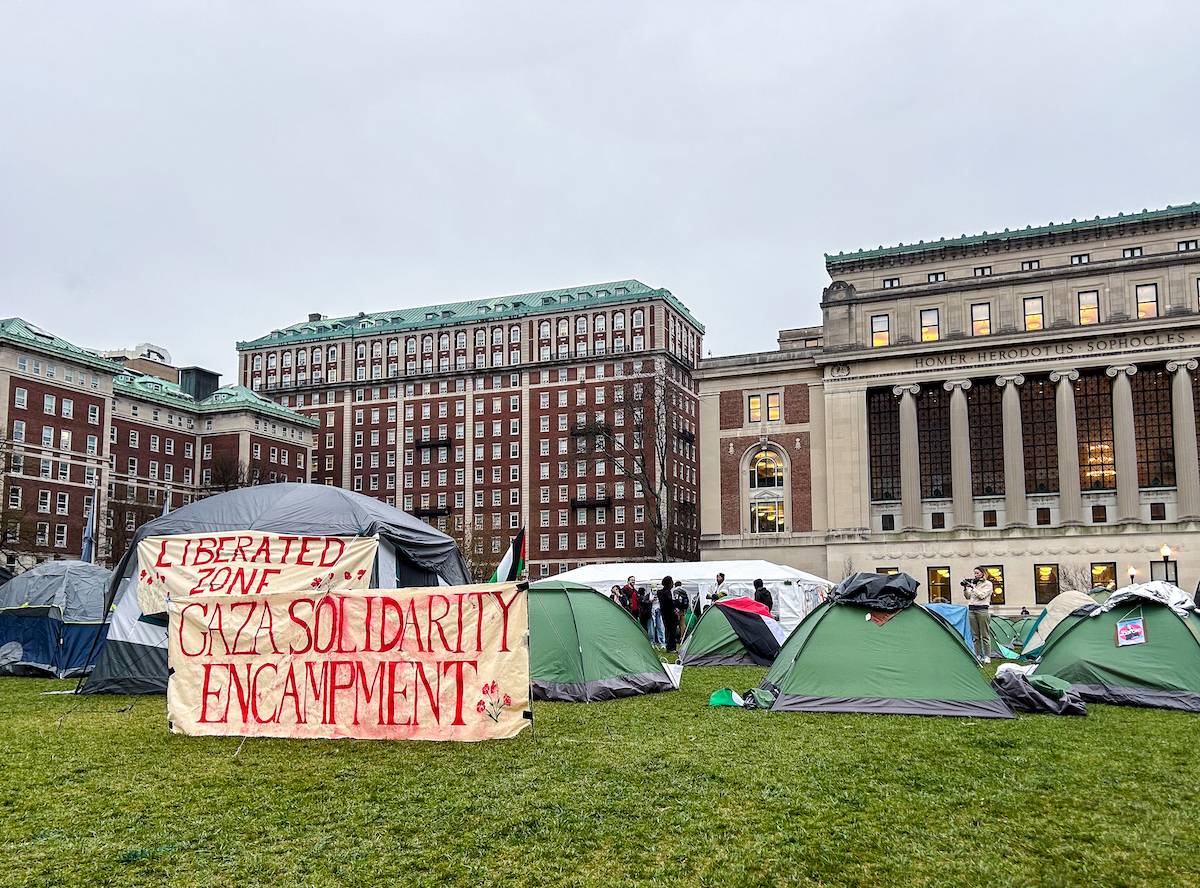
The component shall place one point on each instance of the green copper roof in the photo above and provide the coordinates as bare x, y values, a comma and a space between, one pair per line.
20, 332
225, 399
1005, 235
498, 308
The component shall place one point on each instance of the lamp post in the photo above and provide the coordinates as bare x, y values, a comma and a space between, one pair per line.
1166, 553
1132, 574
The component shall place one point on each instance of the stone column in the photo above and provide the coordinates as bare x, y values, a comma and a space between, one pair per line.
1070, 503
1016, 509
1183, 414
1125, 443
960, 454
910, 460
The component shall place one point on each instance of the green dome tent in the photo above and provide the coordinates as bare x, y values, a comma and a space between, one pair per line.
1141, 647
585, 647
869, 649
733, 632
1061, 606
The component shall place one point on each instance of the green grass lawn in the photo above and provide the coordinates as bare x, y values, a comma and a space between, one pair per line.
659, 790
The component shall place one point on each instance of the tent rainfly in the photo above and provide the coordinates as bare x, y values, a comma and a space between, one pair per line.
736, 632
585, 647
1141, 647
793, 592
868, 649
1058, 609
52, 619
411, 553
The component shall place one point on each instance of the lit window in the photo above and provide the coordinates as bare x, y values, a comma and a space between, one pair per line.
889, 283
755, 408
773, 407
1089, 308
930, 327
879, 330
766, 470
981, 319
1081, 259
1034, 319
766, 517
1045, 582
1147, 300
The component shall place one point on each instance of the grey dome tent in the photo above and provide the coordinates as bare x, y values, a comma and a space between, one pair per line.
411, 553
52, 619
584, 647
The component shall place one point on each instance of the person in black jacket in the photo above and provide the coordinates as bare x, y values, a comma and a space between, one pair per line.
645, 609
763, 595
666, 603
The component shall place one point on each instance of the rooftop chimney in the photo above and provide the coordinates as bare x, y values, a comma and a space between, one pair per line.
198, 382
314, 316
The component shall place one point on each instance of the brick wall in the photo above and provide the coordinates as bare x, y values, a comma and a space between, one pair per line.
731, 409
795, 403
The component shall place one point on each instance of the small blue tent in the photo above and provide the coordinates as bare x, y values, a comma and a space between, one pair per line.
956, 616
52, 619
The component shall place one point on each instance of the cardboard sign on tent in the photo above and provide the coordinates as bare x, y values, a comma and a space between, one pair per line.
1162, 670
52, 619
735, 632
869, 649
585, 647
411, 554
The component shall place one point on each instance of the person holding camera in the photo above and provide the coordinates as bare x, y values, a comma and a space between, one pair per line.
978, 591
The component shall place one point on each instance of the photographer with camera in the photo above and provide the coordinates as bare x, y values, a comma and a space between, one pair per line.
978, 591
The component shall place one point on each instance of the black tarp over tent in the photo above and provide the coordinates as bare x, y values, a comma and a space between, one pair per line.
411, 553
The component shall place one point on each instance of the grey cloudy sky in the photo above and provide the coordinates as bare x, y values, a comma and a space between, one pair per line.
194, 173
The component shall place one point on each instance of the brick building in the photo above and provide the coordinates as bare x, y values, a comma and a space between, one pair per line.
74, 424
570, 412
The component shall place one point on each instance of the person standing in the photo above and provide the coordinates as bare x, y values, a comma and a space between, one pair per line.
668, 607
645, 610
978, 591
630, 594
658, 626
720, 591
763, 595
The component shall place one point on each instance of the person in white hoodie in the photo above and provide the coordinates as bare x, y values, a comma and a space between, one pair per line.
978, 591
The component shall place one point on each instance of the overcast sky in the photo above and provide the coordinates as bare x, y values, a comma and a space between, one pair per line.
190, 174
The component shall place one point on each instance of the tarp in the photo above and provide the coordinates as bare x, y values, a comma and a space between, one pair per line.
1043, 694
855, 659
53, 614
957, 616
736, 632
1139, 653
1060, 607
793, 592
411, 554
884, 592
584, 647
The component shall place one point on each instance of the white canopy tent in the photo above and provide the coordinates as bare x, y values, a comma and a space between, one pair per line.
793, 592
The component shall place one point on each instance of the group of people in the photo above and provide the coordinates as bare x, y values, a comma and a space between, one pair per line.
666, 613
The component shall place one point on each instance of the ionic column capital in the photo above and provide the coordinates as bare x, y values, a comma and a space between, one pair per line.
1068, 375
1015, 380
1117, 370
1185, 364
911, 389
952, 384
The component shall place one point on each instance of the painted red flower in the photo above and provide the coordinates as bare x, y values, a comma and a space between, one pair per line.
507, 700
480, 707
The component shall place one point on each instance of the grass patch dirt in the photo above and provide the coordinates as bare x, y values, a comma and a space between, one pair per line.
659, 790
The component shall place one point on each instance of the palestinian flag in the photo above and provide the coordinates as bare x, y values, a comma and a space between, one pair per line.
512, 565
733, 632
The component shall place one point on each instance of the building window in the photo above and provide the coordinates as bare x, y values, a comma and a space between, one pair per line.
766, 470
981, 319
1104, 574
1158, 511
1188, 245
937, 520
983, 271
1152, 424
766, 516
1089, 307
880, 332
989, 517
772, 405
939, 584
753, 408
933, 420
1080, 259
1031, 264
985, 415
1039, 428
1094, 427
995, 573
1131, 252
1099, 514
930, 327
1045, 582
889, 283
1034, 319
1042, 516
1147, 300
887, 571
887, 522
883, 419
936, 277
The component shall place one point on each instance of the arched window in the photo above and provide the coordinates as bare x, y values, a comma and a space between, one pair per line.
600, 325
638, 317
767, 484
619, 320
360, 352
480, 337
410, 346
316, 355
544, 329
376, 349
460, 339
444, 341
581, 324
393, 347
332, 353
514, 333
497, 336
258, 362
564, 328
427, 344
